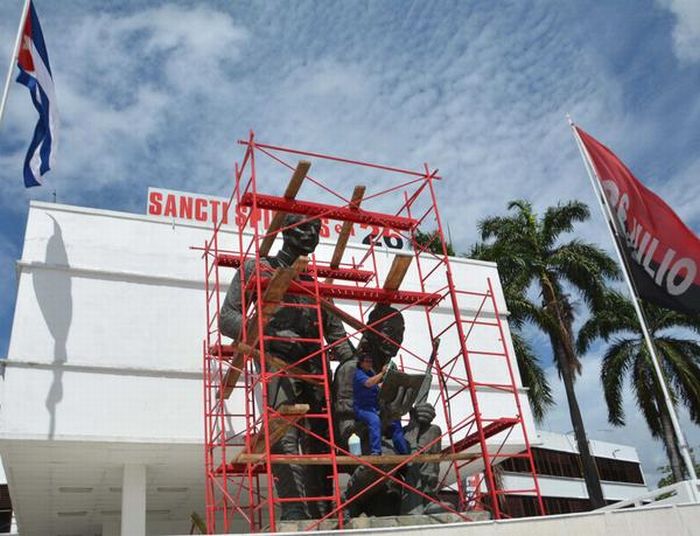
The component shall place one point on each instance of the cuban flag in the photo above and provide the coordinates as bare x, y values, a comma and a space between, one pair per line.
35, 73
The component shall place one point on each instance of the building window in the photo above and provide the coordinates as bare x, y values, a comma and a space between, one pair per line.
619, 471
567, 464
5, 509
547, 462
524, 506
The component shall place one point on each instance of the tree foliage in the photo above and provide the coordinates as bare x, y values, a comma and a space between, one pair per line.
431, 239
627, 358
530, 254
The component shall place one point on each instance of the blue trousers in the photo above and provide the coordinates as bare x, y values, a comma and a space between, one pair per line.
374, 425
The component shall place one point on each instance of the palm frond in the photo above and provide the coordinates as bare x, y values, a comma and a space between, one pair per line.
523, 205
681, 360
498, 226
533, 377
617, 360
616, 315
646, 393
587, 268
560, 219
661, 318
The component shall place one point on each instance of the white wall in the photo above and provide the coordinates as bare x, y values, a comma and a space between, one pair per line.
105, 359
603, 449
661, 521
575, 488
106, 340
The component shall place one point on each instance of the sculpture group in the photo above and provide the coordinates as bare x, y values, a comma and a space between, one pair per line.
368, 397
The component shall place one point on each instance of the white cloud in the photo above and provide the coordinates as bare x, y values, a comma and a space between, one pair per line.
125, 85
159, 96
686, 31
682, 193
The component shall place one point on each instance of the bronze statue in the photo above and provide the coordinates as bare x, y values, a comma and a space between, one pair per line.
291, 481
397, 397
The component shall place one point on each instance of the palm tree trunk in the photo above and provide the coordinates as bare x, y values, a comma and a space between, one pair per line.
564, 353
590, 471
669, 439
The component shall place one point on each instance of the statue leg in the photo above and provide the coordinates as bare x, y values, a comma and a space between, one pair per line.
316, 477
361, 478
422, 476
289, 479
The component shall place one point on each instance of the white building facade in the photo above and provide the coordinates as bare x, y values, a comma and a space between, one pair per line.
101, 410
561, 479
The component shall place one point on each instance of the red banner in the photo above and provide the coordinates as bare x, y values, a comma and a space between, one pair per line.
662, 252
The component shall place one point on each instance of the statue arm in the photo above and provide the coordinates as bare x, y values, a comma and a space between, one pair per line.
231, 315
343, 388
333, 330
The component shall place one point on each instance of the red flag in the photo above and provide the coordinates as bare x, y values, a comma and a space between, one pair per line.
662, 252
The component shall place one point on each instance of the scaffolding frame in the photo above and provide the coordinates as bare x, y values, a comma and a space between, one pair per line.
238, 464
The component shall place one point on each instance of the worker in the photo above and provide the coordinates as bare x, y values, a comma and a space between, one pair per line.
366, 406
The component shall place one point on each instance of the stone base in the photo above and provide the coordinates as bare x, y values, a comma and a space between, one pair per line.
364, 522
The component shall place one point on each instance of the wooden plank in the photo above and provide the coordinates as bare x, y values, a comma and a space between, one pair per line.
278, 426
290, 193
235, 351
397, 272
357, 195
232, 374
350, 320
280, 364
198, 523
279, 283
384, 459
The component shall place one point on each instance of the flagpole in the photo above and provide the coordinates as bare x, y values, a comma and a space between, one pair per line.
614, 233
13, 59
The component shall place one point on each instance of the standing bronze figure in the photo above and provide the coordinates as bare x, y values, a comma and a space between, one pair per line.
289, 324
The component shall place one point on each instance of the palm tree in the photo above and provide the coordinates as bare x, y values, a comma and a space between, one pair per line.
528, 253
628, 356
432, 241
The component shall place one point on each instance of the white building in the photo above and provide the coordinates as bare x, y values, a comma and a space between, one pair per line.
560, 475
101, 408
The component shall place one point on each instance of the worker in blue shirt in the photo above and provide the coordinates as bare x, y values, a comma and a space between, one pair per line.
366, 406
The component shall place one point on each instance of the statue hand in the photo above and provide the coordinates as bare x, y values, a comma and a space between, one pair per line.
423, 413
283, 347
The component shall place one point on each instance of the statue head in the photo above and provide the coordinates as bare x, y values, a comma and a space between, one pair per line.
392, 328
300, 238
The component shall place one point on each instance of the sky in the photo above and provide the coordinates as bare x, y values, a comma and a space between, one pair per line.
157, 93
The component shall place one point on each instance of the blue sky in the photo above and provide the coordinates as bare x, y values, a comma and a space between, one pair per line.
156, 93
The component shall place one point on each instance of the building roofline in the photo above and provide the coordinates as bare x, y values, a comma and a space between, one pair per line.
164, 220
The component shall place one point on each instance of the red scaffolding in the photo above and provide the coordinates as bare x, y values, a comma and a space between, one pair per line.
241, 428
